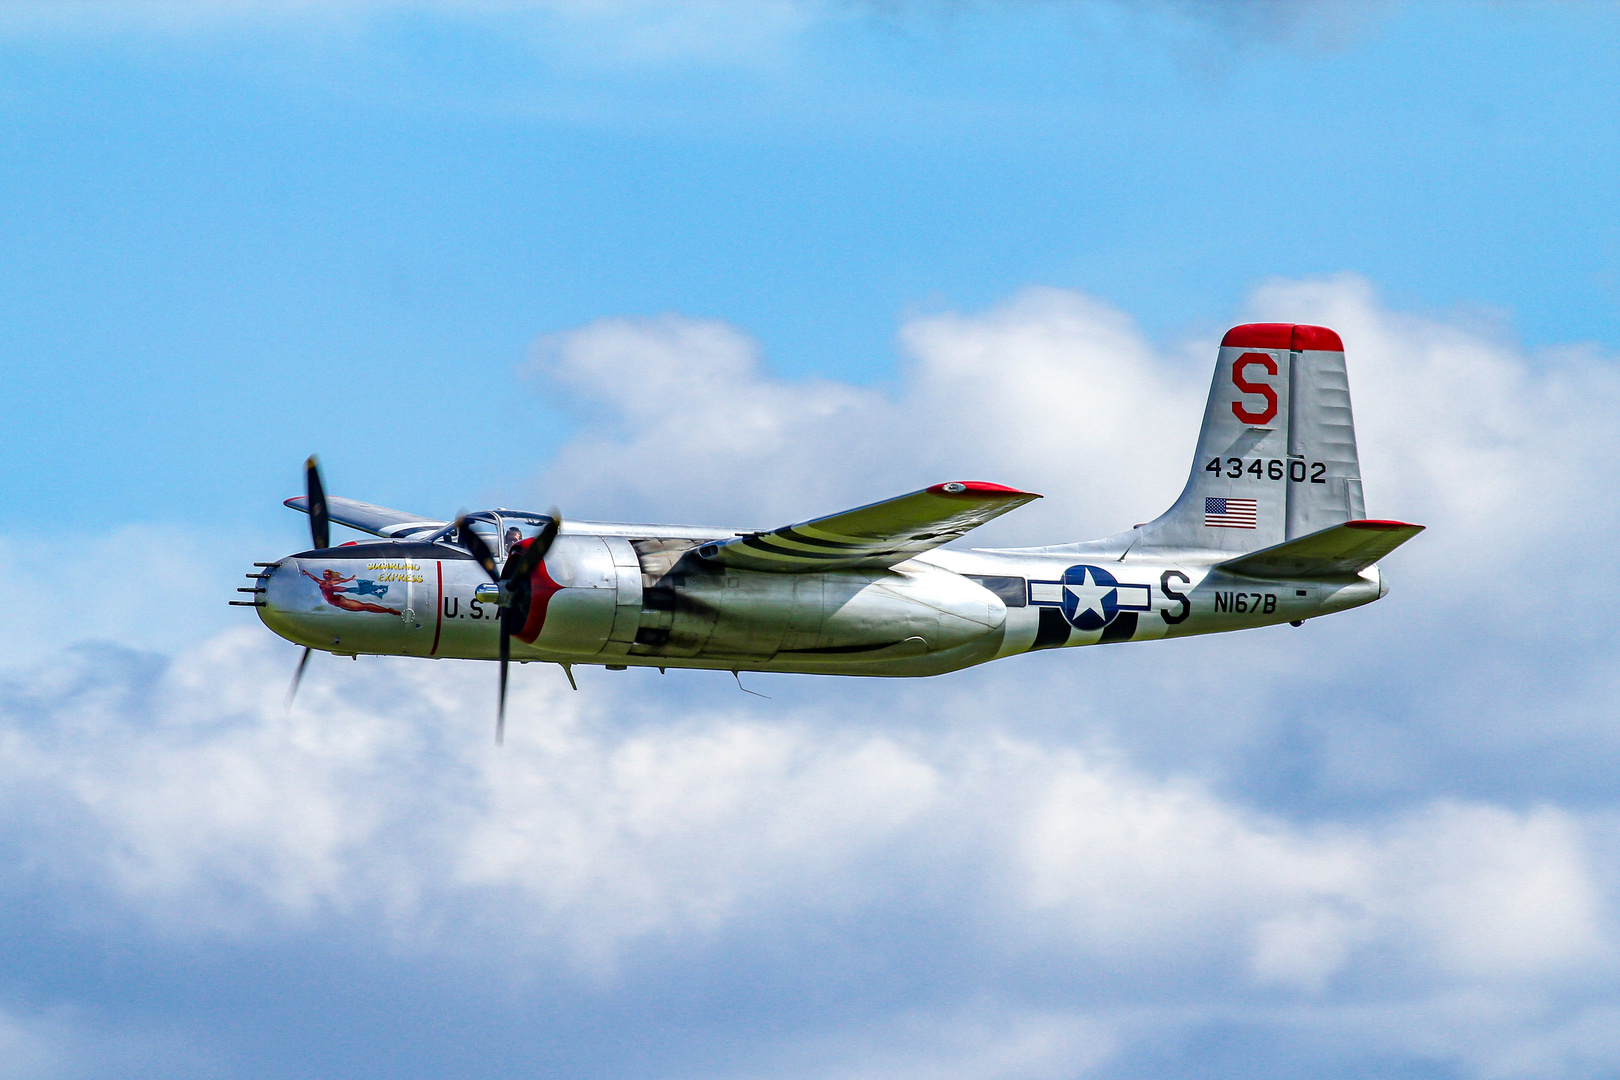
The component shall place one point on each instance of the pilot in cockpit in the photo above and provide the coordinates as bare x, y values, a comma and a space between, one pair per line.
513, 535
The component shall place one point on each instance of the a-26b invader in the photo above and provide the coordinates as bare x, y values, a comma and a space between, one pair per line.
1270, 528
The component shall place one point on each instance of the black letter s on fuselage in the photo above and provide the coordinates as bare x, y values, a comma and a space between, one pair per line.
1171, 594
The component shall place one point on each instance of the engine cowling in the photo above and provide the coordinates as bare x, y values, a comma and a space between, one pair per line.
419, 599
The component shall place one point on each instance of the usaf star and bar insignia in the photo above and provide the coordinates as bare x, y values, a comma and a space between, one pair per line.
1090, 596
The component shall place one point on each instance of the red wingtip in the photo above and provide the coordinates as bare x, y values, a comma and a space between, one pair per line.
976, 487
1377, 523
1298, 337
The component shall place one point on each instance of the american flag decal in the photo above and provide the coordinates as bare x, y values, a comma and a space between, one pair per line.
1231, 513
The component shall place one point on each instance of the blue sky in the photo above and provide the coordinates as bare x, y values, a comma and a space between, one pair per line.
242, 236
743, 262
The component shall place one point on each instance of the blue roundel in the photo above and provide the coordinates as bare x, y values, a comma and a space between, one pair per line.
1090, 599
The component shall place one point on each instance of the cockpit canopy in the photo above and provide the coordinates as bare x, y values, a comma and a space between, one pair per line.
500, 530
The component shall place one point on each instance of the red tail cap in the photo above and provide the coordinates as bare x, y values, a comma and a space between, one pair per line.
1273, 335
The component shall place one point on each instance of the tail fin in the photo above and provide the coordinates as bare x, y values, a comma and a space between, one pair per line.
1277, 454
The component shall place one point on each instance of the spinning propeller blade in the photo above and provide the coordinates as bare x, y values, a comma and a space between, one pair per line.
320, 533
513, 579
320, 529
298, 677
506, 657
475, 544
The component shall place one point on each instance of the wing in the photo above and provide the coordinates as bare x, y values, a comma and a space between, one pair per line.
1338, 551
878, 535
378, 520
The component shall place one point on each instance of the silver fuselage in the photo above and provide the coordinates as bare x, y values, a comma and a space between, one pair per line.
639, 595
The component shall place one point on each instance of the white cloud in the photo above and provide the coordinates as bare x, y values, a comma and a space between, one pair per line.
154, 588
1494, 448
1053, 842
682, 420
1474, 891
1459, 429
614, 822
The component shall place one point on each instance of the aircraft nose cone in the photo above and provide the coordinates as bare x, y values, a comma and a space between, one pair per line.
286, 612
344, 604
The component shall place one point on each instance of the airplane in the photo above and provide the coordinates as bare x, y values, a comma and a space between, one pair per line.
1270, 528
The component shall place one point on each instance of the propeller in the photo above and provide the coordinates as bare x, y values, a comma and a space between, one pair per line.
320, 524
298, 677
513, 580
320, 533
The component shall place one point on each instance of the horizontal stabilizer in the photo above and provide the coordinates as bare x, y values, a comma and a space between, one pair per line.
874, 536
377, 520
1337, 551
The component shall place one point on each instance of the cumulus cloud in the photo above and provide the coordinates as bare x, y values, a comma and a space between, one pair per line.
167, 587
1056, 392
619, 834
1459, 426
681, 417
1492, 447
1386, 838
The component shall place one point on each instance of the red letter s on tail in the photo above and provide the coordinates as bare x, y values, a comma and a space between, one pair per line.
1263, 389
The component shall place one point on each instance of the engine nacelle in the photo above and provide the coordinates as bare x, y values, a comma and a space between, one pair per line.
942, 609
574, 599
420, 599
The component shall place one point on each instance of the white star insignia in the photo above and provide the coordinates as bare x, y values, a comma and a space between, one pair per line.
1089, 596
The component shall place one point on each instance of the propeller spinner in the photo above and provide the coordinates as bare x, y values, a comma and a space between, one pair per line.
513, 583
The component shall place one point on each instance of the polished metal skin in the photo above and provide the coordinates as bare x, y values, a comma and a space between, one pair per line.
1270, 529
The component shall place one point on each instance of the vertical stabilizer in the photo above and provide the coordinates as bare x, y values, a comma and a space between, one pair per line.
1276, 456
